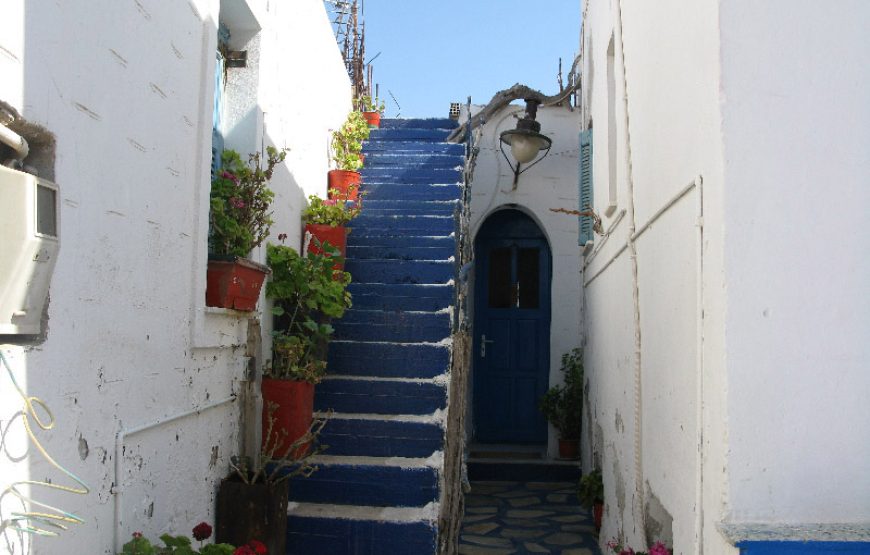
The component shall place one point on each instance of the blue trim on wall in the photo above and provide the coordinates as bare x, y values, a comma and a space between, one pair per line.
802, 548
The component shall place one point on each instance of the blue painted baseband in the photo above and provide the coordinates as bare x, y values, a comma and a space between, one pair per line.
326, 536
412, 191
379, 397
400, 271
408, 134
387, 360
376, 486
380, 438
803, 548
420, 123
400, 253
412, 146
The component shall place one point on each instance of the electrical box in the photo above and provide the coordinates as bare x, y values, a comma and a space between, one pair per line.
29, 243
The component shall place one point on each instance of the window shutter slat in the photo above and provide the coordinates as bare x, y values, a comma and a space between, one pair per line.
585, 187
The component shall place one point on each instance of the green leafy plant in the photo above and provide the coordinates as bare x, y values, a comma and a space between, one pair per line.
347, 142
369, 104
182, 545
240, 199
562, 405
590, 489
307, 292
331, 212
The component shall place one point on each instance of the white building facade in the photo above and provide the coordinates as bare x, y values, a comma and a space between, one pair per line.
144, 381
725, 326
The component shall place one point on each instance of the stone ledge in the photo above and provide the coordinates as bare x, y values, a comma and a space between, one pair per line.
818, 532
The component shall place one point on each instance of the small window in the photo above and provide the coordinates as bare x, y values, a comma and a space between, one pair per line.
500, 278
46, 211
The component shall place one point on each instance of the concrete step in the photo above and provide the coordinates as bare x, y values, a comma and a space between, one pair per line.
387, 360
408, 134
409, 207
411, 191
419, 123
378, 437
400, 271
411, 174
314, 529
393, 327
400, 253
389, 224
410, 146
377, 296
367, 481
382, 396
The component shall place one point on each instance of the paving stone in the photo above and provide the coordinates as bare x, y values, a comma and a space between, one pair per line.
525, 522
579, 528
493, 483
563, 538
525, 513
481, 501
572, 509
557, 497
569, 518
487, 489
548, 486
578, 551
481, 510
487, 540
533, 547
481, 528
527, 534
471, 519
465, 549
513, 493
524, 501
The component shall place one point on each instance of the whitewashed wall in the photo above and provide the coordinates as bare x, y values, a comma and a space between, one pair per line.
642, 326
550, 184
126, 89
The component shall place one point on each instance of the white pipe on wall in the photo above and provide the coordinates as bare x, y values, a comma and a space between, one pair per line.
15, 141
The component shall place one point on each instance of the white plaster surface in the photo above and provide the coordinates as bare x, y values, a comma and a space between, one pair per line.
126, 88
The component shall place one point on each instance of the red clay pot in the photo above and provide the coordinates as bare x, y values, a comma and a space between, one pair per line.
569, 449
372, 118
598, 514
233, 282
346, 182
294, 413
335, 236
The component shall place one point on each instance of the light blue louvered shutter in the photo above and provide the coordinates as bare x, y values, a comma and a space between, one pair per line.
585, 195
217, 138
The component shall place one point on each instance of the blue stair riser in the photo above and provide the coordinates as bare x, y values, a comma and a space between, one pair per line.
409, 207
392, 333
423, 161
400, 271
328, 536
401, 297
379, 397
412, 147
360, 240
381, 318
403, 174
409, 134
801, 547
377, 486
400, 253
412, 191
423, 123
387, 360
425, 225
381, 438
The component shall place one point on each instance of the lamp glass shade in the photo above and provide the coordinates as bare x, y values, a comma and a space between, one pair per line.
524, 148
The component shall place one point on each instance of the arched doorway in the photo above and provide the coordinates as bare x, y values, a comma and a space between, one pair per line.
511, 329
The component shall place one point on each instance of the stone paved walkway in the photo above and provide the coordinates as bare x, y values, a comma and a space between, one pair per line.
504, 518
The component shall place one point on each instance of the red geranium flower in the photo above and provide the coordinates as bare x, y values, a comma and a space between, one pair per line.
244, 550
202, 531
137, 535
258, 547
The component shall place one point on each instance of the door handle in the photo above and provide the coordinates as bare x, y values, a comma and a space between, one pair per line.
483, 342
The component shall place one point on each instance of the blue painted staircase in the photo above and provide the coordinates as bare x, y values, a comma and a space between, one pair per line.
377, 489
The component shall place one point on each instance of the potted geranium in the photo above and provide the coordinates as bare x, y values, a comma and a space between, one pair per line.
182, 545
590, 491
346, 148
306, 292
326, 221
240, 220
658, 548
562, 405
371, 110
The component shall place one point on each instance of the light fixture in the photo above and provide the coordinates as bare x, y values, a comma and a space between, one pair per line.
525, 141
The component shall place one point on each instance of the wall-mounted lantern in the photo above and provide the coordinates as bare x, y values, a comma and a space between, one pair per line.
526, 141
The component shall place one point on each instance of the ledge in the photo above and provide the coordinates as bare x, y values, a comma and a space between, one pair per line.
813, 532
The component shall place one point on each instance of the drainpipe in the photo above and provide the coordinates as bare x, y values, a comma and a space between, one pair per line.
121, 435
699, 395
11, 138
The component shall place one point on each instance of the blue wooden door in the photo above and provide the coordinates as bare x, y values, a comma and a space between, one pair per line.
511, 339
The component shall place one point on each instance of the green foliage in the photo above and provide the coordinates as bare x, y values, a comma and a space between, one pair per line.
307, 292
367, 104
347, 142
172, 545
240, 200
590, 490
330, 212
562, 405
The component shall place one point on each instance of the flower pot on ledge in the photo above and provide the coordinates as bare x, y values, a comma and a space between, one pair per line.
293, 415
335, 236
372, 118
346, 182
234, 282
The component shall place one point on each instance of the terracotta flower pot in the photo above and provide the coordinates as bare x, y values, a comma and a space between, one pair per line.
372, 118
335, 236
248, 512
597, 514
233, 282
293, 415
569, 449
346, 182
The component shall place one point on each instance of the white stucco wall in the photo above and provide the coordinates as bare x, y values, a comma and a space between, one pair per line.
796, 125
126, 89
550, 184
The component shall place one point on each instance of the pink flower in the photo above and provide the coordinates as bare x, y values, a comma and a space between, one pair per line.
202, 531
237, 202
659, 549
258, 547
627, 551
227, 175
330, 202
137, 535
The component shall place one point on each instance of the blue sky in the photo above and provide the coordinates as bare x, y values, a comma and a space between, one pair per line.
433, 52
